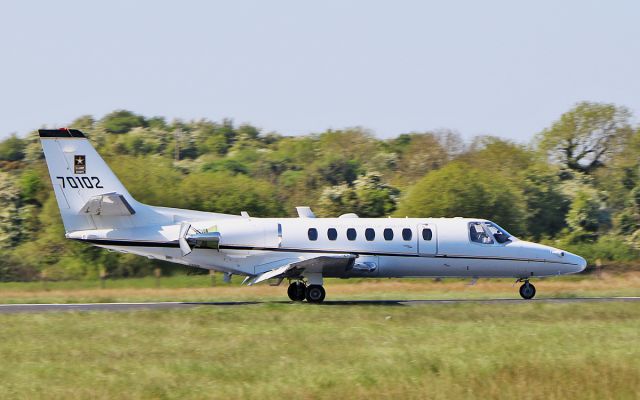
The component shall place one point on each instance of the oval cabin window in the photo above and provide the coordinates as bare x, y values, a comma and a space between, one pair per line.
351, 234
312, 233
332, 234
427, 234
407, 234
388, 234
370, 234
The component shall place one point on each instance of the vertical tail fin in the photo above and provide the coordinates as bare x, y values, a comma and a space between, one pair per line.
89, 194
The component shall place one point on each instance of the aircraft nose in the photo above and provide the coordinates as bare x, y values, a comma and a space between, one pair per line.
577, 263
573, 262
581, 262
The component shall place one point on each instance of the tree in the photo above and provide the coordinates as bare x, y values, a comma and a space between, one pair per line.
546, 205
628, 221
375, 198
122, 121
230, 165
337, 200
495, 155
290, 153
422, 153
10, 232
140, 141
224, 168
213, 138
351, 144
225, 193
12, 148
459, 190
621, 174
584, 214
150, 180
419, 153
336, 170
585, 137
83, 123
31, 186
368, 197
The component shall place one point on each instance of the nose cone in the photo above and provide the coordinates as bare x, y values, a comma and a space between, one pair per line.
573, 262
580, 262
569, 263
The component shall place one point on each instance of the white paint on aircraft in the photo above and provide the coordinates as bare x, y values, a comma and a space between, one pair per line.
96, 208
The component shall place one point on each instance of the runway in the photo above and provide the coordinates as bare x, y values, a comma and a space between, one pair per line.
90, 307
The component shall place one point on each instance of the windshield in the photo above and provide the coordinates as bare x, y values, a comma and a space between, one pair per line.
498, 233
478, 234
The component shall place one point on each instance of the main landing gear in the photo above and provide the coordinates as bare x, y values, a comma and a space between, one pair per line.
527, 290
299, 291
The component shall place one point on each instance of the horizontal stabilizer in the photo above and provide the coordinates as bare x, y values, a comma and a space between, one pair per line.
109, 204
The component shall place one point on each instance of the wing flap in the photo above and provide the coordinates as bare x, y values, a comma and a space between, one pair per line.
287, 268
271, 274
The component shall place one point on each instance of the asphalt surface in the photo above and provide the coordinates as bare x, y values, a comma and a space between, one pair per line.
31, 308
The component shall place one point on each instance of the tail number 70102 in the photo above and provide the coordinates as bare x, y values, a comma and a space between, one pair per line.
84, 182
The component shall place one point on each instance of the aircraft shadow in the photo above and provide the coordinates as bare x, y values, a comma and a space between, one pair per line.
422, 301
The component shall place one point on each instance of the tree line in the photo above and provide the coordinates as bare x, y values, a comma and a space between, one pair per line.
576, 185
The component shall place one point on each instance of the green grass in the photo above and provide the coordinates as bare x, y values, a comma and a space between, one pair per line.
175, 281
476, 351
199, 288
205, 281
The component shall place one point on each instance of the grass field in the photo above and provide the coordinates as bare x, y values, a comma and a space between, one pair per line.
276, 349
199, 288
268, 351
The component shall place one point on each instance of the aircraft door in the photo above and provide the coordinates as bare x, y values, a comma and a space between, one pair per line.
427, 239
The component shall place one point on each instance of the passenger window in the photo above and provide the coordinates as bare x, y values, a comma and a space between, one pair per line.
351, 234
407, 234
312, 233
332, 234
477, 233
388, 234
426, 234
369, 234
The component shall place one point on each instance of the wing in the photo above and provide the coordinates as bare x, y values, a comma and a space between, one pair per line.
293, 268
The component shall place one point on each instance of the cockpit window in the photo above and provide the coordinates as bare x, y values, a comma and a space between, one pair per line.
477, 233
498, 233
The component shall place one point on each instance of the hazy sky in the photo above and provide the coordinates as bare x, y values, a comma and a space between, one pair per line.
505, 68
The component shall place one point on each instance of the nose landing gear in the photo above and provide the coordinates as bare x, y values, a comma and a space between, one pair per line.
527, 290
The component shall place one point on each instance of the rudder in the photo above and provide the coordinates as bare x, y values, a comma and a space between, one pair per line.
89, 194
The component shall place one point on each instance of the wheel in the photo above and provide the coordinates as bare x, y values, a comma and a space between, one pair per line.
297, 291
527, 291
315, 294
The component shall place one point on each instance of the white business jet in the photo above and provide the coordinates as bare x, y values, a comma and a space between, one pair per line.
97, 209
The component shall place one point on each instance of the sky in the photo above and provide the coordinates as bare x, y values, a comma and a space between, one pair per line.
501, 68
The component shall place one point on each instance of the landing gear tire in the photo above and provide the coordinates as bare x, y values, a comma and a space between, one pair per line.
297, 291
527, 290
315, 294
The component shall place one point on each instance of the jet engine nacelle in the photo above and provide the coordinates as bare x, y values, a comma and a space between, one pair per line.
250, 233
